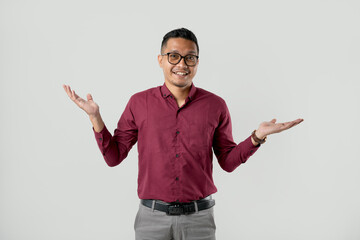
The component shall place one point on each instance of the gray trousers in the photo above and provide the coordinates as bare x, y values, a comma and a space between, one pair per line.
151, 224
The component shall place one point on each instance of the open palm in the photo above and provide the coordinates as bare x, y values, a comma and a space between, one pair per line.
89, 106
267, 128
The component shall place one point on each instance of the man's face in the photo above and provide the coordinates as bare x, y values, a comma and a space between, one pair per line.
179, 75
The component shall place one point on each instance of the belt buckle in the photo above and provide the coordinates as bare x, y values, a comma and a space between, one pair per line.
175, 210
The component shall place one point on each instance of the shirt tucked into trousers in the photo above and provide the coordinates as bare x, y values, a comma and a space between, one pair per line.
156, 225
175, 144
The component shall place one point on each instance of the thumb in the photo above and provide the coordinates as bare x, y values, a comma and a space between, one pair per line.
89, 97
273, 121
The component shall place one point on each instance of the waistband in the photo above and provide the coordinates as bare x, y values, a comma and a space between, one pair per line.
176, 208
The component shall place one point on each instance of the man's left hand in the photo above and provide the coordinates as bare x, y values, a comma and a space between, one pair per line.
267, 128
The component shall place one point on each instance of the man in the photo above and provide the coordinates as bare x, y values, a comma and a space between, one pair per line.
176, 126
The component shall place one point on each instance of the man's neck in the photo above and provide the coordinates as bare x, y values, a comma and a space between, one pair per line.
179, 93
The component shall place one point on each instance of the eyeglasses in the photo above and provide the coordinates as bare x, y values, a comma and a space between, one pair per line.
175, 58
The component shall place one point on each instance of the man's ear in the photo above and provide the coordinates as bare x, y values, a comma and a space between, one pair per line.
160, 58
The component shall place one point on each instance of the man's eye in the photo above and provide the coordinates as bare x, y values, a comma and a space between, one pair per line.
192, 58
173, 55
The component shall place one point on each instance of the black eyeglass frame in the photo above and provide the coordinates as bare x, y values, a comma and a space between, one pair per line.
181, 57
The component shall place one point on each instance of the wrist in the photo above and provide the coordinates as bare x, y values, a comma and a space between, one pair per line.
256, 137
259, 134
97, 122
95, 117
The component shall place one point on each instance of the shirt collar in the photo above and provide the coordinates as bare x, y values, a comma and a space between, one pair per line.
165, 92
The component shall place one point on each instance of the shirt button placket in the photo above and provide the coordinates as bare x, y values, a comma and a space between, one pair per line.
177, 133
177, 156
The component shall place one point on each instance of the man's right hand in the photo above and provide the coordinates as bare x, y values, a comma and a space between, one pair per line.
89, 106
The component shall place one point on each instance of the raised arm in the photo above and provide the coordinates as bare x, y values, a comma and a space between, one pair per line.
229, 154
113, 148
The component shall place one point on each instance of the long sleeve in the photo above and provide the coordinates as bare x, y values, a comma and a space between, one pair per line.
229, 154
116, 148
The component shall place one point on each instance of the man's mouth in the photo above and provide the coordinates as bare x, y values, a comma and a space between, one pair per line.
180, 73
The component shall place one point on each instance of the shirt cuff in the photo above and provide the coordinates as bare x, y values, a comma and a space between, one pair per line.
250, 146
101, 133
102, 138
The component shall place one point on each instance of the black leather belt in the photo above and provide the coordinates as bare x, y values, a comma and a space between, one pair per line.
179, 208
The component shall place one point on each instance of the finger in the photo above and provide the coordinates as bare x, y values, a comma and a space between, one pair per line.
273, 120
288, 125
300, 120
67, 90
72, 94
76, 96
284, 126
89, 97
78, 100
295, 122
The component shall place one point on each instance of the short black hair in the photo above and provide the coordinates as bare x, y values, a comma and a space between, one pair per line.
180, 33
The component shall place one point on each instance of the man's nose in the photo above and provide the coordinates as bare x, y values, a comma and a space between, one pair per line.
182, 62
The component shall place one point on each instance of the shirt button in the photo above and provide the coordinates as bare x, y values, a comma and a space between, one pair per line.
176, 178
251, 151
177, 132
171, 96
100, 139
177, 155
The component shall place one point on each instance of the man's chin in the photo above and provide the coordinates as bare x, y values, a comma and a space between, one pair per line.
182, 84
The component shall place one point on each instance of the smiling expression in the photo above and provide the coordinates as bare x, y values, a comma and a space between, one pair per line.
179, 75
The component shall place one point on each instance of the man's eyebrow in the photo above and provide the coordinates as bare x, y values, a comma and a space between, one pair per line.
176, 51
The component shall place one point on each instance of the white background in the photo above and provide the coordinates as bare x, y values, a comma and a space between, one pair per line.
267, 59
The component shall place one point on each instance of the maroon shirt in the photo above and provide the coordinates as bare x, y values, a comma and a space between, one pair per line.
175, 143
